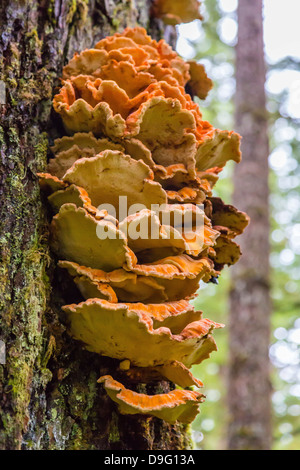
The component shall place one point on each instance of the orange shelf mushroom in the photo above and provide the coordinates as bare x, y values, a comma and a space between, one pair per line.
177, 11
135, 222
177, 405
137, 332
199, 84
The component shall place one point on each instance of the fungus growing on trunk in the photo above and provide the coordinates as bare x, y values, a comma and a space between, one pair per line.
177, 11
199, 84
134, 132
177, 405
137, 332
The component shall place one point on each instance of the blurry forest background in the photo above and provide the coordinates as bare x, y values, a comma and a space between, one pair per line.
212, 43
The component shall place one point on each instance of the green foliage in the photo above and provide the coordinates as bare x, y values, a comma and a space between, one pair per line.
285, 257
209, 428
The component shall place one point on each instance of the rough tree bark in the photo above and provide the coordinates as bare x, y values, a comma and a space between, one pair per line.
49, 397
249, 386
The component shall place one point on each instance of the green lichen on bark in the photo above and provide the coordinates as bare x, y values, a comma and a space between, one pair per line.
24, 283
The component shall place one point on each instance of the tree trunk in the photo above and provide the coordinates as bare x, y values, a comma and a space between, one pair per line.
49, 396
249, 384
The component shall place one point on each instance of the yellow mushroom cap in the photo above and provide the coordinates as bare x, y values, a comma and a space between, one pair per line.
126, 331
177, 11
177, 405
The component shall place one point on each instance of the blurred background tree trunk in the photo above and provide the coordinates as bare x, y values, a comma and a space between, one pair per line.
249, 390
49, 397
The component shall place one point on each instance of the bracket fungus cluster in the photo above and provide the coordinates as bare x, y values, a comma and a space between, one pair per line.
136, 163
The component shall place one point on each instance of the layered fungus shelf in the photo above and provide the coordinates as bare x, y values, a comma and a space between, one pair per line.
135, 137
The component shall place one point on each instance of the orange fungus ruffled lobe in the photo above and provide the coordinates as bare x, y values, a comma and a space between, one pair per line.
133, 132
